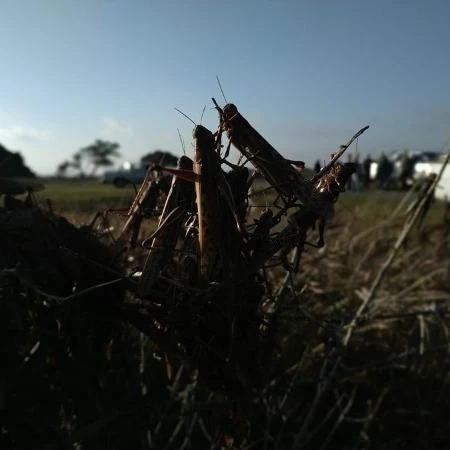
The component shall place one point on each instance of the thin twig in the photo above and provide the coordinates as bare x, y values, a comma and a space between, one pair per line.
187, 439
340, 419
337, 155
322, 388
57, 298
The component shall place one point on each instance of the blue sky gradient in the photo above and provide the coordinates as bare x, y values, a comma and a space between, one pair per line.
306, 74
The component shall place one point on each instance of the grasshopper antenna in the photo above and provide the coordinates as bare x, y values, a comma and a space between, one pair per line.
185, 115
203, 112
221, 90
181, 142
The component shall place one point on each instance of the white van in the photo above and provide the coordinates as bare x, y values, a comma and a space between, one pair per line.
423, 169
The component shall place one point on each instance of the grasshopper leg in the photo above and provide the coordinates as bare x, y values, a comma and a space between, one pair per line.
321, 241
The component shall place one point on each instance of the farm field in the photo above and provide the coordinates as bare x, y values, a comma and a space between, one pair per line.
85, 197
81, 200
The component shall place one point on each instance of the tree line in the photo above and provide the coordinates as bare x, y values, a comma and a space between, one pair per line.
87, 161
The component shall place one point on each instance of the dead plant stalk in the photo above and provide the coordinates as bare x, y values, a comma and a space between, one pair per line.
398, 245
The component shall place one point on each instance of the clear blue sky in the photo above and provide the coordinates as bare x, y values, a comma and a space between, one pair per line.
306, 74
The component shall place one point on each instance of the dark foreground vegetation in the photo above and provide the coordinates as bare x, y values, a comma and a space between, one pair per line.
349, 350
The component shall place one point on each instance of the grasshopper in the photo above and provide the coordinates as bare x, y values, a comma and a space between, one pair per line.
211, 190
238, 180
144, 202
291, 186
219, 237
278, 171
282, 174
179, 199
324, 194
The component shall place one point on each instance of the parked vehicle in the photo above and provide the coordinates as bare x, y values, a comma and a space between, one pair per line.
396, 159
127, 174
423, 169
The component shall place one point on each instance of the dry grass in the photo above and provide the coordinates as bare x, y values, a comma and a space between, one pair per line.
76, 374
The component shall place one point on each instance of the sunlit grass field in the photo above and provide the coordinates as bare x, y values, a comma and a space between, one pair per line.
80, 200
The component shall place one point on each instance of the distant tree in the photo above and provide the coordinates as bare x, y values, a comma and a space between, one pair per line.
160, 157
12, 165
99, 154
76, 163
61, 170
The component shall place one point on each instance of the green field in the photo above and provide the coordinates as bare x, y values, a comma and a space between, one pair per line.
79, 200
84, 197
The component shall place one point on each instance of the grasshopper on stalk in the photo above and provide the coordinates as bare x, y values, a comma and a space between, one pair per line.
315, 195
324, 194
144, 203
278, 171
178, 203
211, 189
